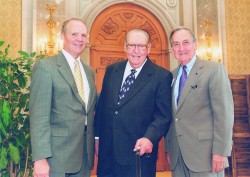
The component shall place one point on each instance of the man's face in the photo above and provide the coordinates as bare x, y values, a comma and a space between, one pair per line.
75, 38
183, 46
136, 48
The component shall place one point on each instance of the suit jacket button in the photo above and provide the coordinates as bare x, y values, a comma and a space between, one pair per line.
116, 112
177, 120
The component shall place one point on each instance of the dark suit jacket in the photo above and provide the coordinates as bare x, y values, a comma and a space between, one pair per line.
203, 120
144, 112
57, 115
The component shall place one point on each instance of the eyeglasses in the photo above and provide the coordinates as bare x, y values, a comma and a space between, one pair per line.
132, 47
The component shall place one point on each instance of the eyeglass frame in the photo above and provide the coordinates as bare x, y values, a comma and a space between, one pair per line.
138, 46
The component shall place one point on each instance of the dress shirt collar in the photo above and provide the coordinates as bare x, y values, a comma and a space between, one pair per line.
70, 59
189, 66
138, 70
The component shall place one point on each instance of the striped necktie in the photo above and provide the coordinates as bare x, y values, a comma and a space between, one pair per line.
182, 81
79, 80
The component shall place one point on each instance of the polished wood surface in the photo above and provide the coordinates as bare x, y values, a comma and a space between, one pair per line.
240, 159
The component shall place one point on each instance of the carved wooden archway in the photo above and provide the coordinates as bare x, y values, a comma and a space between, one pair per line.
107, 36
108, 32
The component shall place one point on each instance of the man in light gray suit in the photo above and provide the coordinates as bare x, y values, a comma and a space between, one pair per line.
200, 136
61, 117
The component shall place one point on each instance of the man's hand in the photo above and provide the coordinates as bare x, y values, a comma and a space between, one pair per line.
96, 146
41, 168
144, 145
218, 163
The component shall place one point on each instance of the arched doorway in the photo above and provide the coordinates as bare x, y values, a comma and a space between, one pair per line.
107, 36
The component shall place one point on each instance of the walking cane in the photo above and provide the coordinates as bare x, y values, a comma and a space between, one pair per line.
138, 163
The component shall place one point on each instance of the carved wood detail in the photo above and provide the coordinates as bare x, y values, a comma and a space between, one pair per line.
109, 27
128, 15
105, 61
114, 25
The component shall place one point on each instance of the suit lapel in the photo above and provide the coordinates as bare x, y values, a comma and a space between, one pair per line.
141, 80
175, 72
66, 72
92, 89
117, 80
194, 74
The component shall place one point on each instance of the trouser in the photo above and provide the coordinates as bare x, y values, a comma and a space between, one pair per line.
109, 167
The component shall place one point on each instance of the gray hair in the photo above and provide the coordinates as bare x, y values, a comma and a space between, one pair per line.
181, 28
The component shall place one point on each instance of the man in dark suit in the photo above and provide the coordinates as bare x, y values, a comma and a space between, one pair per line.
132, 113
200, 136
62, 102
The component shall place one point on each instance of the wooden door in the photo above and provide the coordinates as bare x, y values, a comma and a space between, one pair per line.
107, 36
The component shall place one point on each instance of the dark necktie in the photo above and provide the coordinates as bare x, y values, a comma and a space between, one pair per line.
182, 81
126, 85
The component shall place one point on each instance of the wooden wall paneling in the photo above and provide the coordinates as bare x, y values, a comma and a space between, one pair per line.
241, 131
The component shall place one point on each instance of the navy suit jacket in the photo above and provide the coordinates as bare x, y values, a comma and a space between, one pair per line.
144, 112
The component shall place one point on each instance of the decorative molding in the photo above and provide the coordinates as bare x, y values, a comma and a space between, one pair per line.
128, 15
28, 20
105, 61
171, 3
168, 16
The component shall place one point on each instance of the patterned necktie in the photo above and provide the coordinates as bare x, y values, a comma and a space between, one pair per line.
78, 80
127, 83
182, 81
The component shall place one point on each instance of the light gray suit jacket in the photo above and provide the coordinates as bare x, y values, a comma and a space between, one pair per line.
203, 120
57, 115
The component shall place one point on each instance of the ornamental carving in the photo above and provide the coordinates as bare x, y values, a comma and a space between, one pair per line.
147, 27
128, 15
110, 27
171, 3
105, 61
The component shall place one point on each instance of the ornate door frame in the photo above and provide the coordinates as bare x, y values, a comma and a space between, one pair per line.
108, 32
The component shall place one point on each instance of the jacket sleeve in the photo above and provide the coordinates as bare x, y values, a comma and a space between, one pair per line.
163, 111
39, 107
223, 111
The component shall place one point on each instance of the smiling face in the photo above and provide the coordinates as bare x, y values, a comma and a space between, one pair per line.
74, 37
137, 47
183, 46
